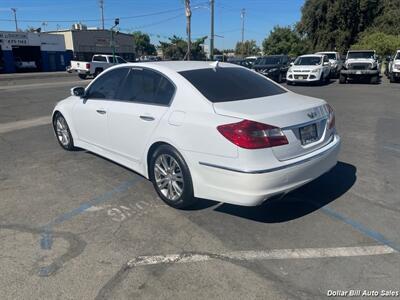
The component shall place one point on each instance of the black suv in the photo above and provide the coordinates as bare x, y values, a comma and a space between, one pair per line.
273, 66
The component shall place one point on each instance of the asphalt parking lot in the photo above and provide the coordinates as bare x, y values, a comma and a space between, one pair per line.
76, 226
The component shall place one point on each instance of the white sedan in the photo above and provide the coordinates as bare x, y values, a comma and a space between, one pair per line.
201, 130
310, 68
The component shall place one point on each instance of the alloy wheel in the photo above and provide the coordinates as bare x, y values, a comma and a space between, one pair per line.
62, 131
168, 177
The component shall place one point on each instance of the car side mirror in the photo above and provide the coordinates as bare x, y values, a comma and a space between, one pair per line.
78, 91
292, 64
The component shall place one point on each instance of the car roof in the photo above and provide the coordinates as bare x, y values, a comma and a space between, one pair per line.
275, 55
180, 66
326, 52
311, 55
361, 50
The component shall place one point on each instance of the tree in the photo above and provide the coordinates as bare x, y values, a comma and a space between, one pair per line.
284, 40
388, 20
336, 24
176, 48
384, 44
249, 47
142, 44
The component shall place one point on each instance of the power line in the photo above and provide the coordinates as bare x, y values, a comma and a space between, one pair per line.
97, 20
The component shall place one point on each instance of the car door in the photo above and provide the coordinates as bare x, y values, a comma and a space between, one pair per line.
90, 113
326, 67
142, 102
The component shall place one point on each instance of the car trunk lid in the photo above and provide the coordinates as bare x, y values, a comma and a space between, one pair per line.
302, 119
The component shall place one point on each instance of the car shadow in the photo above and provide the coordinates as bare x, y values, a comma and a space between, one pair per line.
300, 202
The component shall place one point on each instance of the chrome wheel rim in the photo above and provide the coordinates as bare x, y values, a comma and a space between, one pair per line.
168, 176
62, 131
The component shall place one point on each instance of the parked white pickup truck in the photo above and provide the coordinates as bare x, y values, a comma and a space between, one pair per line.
99, 63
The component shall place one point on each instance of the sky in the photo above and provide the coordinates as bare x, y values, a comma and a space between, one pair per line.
159, 18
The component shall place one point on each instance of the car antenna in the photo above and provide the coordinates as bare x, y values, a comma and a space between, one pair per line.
215, 64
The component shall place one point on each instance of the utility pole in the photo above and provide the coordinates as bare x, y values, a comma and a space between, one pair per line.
188, 29
14, 10
242, 13
44, 25
212, 30
101, 4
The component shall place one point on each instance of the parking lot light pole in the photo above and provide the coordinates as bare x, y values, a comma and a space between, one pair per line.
116, 23
14, 10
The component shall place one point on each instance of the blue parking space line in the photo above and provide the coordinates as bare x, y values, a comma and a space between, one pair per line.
361, 228
46, 240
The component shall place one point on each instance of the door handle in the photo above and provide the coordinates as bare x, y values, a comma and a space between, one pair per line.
147, 118
101, 111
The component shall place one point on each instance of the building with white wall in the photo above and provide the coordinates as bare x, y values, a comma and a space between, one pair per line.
83, 43
31, 51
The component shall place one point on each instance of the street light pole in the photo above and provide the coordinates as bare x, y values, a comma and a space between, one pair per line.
116, 23
14, 10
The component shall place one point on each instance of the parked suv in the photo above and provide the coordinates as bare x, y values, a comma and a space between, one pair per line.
310, 68
273, 66
360, 64
335, 60
394, 68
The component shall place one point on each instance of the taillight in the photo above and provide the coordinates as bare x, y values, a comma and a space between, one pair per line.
87, 66
331, 117
253, 135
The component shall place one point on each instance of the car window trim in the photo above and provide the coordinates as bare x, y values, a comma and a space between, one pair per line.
131, 69
87, 90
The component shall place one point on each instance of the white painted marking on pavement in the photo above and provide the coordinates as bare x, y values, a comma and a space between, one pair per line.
262, 255
43, 85
17, 125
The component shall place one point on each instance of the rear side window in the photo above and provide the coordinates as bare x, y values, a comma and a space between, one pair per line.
99, 58
107, 85
146, 86
231, 84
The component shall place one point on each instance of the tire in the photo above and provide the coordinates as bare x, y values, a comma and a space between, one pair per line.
97, 72
62, 132
392, 79
279, 80
342, 79
175, 190
374, 79
82, 76
321, 80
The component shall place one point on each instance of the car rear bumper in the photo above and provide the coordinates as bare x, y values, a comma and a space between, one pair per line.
250, 188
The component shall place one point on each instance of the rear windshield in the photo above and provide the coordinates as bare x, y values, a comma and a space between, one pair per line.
231, 84
272, 60
330, 55
366, 54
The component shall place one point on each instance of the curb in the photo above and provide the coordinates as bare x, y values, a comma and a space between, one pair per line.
24, 76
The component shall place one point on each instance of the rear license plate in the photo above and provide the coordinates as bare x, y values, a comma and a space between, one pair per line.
358, 72
308, 134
